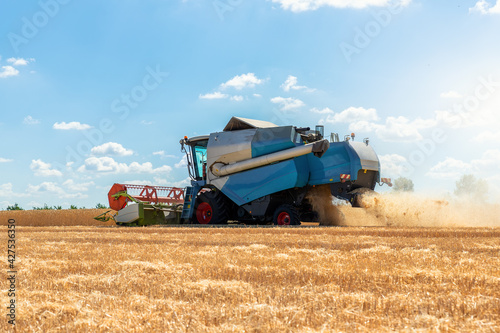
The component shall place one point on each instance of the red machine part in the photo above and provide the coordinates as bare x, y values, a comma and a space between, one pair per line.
146, 193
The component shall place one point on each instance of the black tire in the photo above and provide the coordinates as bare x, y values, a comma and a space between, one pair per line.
286, 215
210, 208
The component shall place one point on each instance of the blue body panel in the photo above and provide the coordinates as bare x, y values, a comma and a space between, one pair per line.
249, 185
271, 140
340, 158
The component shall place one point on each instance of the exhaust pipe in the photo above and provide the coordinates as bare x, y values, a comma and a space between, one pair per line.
318, 148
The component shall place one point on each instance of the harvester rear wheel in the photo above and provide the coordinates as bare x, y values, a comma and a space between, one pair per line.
210, 208
286, 215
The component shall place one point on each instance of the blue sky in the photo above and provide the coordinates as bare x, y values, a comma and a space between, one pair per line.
97, 92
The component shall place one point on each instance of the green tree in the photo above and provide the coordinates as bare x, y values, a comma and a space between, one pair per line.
403, 184
14, 207
101, 206
470, 186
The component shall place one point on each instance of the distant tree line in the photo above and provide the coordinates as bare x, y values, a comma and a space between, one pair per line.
468, 186
47, 207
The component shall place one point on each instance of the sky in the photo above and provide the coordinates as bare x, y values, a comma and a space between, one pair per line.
100, 92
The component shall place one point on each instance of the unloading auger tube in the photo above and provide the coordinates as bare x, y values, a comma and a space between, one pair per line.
318, 148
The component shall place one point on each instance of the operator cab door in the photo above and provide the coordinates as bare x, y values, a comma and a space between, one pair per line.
197, 157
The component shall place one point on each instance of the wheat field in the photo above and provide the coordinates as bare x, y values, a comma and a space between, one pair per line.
109, 279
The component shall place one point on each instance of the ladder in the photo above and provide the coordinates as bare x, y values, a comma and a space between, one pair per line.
189, 199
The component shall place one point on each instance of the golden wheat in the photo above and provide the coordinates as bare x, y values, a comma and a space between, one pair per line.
88, 279
45, 218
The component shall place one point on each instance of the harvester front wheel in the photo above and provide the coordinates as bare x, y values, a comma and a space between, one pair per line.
286, 215
210, 208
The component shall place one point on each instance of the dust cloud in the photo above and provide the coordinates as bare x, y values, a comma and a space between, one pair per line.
404, 210
320, 198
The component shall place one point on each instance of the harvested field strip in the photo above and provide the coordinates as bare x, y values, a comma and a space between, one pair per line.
212, 280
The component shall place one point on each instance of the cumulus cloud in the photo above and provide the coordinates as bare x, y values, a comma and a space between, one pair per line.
486, 136
19, 61
237, 98
451, 168
163, 154
351, 115
111, 148
485, 7
43, 169
367, 120
74, 125
5, 160
71, 185
29, 120
288, 103
109, 165
291, 84
52, 189
451, 94
8, 71
393, 165
306, 5
7, 191
239, 82
182, 163
215, 95
322, 111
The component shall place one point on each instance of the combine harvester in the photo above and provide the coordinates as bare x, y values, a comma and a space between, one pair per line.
253, 172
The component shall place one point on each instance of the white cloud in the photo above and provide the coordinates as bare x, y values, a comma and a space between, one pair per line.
451, 94
450, 168
288, 103
182, 183
182, 163
486, 166
257, 95
215, 95
109, 165
322, 111
8, 71
19, 61
239, 82
398, 129
74, 125
365, 120
490, 160
352, 115
305, 5
237, 98
72, 186
6, 190
5, 160
111, 148
29, 120
53, 189
486, 136
393, 165
484, 7
162, 154
291, 84
43, 169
